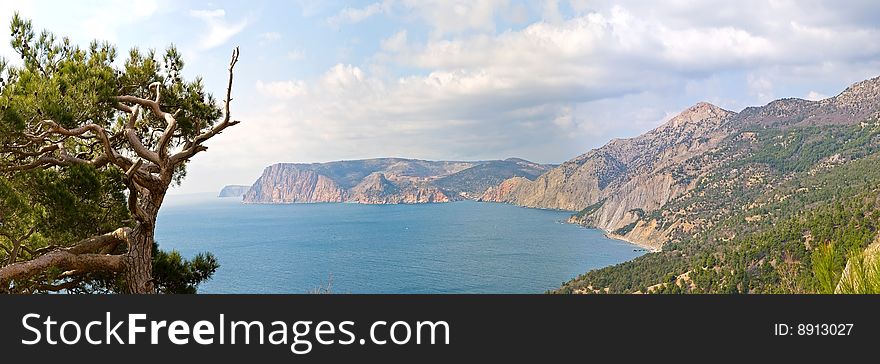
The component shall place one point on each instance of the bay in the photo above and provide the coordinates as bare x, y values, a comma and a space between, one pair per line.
458, 247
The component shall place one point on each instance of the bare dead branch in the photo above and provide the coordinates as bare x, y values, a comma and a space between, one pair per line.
195, 146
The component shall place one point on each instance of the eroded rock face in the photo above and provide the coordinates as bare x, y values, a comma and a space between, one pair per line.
626, 174
617, 185
377, 189
383, 180
287, 183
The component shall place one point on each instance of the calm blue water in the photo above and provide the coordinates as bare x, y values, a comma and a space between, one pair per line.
460, 247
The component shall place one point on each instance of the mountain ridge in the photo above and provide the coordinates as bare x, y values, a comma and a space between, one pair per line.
384, 180
624, 179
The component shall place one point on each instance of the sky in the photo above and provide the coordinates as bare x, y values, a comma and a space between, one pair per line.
473, 79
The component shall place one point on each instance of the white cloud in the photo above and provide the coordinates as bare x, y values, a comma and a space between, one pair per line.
580, 6
282, 89
816, 96
396, 42
569, 85
443, 16
105, 21
618, 39
219, 29
555, 88
82, 22
457, 16
761, 88
565, 119
350, 15
550, 11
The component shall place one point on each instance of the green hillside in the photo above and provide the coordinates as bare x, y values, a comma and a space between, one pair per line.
756, 222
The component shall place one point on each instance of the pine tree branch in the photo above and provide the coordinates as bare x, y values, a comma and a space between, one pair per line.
63, 158
62, 259
156, 109
84, 256
61, 286
135, 142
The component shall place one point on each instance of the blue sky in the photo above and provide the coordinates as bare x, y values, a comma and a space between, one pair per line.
482, 79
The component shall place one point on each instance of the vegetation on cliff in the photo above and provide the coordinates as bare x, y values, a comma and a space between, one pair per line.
785, 215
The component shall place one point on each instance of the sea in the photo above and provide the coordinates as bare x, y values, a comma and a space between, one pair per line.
457, 247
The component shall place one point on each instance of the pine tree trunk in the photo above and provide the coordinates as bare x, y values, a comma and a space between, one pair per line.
139, 259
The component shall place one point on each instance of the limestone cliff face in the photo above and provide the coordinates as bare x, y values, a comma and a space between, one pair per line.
616, 187
383, 180
626, 174
377, 189
286, 183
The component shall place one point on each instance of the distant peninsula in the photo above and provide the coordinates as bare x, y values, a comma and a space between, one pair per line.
383, 181
233, 191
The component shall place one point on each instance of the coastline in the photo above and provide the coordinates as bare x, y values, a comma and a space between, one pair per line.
647, 247
652, 248
500, 236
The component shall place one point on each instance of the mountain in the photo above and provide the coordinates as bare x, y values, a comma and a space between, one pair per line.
384, 180
730, 202
626, 175
614, 186
471, 183
770, 199
233, 191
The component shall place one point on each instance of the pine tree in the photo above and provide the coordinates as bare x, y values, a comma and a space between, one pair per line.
88, 151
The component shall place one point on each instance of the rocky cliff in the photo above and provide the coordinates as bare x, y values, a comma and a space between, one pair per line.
384, 180
625, 174
377, 189
623, 186
290, 183
233, 191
